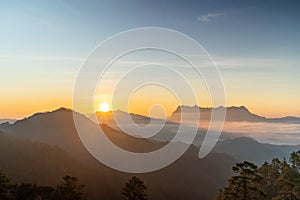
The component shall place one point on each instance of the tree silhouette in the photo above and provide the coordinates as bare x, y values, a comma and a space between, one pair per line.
245, 185
295, 159
220, 195
4, 186
32, 192
134, 189
270, 174
70, 189
277, 180
289, 181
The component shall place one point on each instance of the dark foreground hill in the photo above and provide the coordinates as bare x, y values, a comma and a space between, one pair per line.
34, 162
42, 148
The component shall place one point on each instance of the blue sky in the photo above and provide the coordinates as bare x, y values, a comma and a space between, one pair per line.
229, 28
256, 44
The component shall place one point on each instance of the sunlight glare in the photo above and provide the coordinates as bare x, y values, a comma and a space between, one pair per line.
104, 107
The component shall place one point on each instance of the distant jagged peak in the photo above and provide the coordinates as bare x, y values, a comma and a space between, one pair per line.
185, 108
233, 113
238, 108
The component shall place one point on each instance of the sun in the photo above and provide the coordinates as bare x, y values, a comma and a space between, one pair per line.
104, 107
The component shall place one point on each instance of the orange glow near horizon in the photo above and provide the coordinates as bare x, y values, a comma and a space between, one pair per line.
140, 103
11, 111
19, 105
153, 101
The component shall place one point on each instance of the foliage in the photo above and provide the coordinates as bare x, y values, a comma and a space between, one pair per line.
4, 186
70, 189
134, 189
276, 180
31, 192
244, 185
295, 160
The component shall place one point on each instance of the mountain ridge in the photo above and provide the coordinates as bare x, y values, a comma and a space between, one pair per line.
206, 114
233, 114
56, 128
42, 127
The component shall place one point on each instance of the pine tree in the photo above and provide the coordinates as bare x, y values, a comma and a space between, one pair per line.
70, 189
295, 159
245, 185
289, 181
277, 180
4, 186
134, 189
270, 173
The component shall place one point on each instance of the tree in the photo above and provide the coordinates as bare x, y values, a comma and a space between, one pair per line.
277, 180
270, 174
32, 192
220, 195
295, 159
288, 184
244, 185
134, 189
4, 186
70, 189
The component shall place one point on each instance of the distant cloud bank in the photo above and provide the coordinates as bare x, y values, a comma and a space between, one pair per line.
210, 16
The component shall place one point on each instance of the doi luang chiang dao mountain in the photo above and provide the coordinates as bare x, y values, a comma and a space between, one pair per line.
141, 100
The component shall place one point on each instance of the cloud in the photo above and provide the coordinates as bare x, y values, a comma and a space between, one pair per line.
208, 17
41, 57
261, 62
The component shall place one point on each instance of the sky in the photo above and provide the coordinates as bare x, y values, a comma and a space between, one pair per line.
255, 45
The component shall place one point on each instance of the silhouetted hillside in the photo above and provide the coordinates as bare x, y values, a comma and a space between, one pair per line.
244, 148
109, 117
53, 128
30, 161
41, 164
189, 177
57, 128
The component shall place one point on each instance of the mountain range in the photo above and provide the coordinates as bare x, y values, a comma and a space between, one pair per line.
233, 114
44, 147
49, 142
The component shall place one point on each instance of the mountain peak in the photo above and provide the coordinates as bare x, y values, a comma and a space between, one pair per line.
233, 113
39, 114
62, 109
243, 108
185, 108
